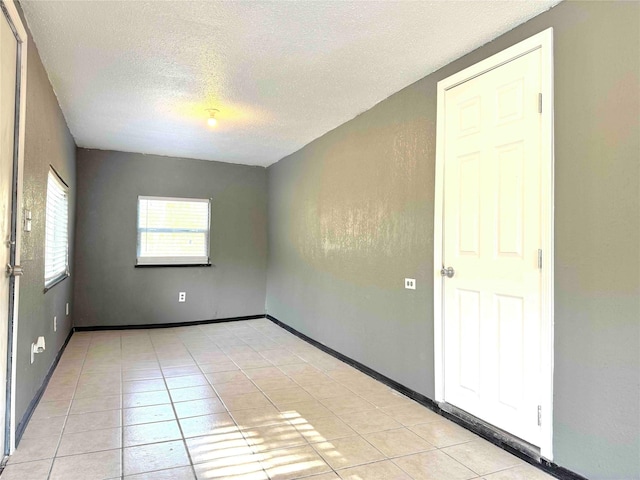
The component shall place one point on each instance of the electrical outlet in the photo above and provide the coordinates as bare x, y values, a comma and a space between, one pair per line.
55, 323
182, 296
410, 283
66, 309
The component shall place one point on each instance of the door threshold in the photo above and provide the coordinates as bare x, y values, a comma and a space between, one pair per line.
497, 436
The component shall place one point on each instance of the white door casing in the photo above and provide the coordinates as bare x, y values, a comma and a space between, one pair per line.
13, 63
493, 212
8, 60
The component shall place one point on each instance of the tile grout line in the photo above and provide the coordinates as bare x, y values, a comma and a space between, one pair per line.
308, 443
362, 436
240, 430
173, 408
287, 422
55, 454
121, 412
311, 444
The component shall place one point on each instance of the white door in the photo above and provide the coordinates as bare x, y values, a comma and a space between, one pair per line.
8, 81
491, 240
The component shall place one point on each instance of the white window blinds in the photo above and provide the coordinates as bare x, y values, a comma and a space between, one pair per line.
57, 230
173, 231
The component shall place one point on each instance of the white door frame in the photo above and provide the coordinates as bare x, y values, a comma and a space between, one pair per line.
23, 40
544, 42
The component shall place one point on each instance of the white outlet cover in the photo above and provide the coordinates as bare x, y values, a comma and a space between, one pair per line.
410, 283
182, 297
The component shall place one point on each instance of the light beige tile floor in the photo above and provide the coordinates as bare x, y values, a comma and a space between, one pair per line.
242, 400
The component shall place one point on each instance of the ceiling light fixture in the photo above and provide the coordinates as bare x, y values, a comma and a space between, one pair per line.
211, 121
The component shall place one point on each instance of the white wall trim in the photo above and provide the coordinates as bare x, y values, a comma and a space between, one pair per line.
544, 42
23, 39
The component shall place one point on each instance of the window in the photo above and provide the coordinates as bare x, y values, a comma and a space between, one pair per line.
56, 252
173, 231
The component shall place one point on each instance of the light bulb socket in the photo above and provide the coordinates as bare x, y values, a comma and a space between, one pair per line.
212, 121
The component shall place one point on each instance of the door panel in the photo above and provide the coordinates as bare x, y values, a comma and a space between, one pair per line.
491, 237
510, 200
469, 188
469, 334
510, 312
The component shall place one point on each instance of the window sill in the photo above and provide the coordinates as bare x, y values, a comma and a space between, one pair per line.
56, 282
163, 265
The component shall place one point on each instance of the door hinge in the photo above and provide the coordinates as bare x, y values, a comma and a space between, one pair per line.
539, 259
540, 103
539, 415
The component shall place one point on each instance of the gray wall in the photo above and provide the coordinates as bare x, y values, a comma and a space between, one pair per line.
110, 291
351, 215
47, 142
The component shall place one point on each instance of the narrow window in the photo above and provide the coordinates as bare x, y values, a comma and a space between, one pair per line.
56, 254
173, 231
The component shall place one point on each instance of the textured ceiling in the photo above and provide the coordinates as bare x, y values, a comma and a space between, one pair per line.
138, 76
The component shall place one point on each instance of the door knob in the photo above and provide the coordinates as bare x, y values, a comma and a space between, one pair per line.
447, 272
14, 271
